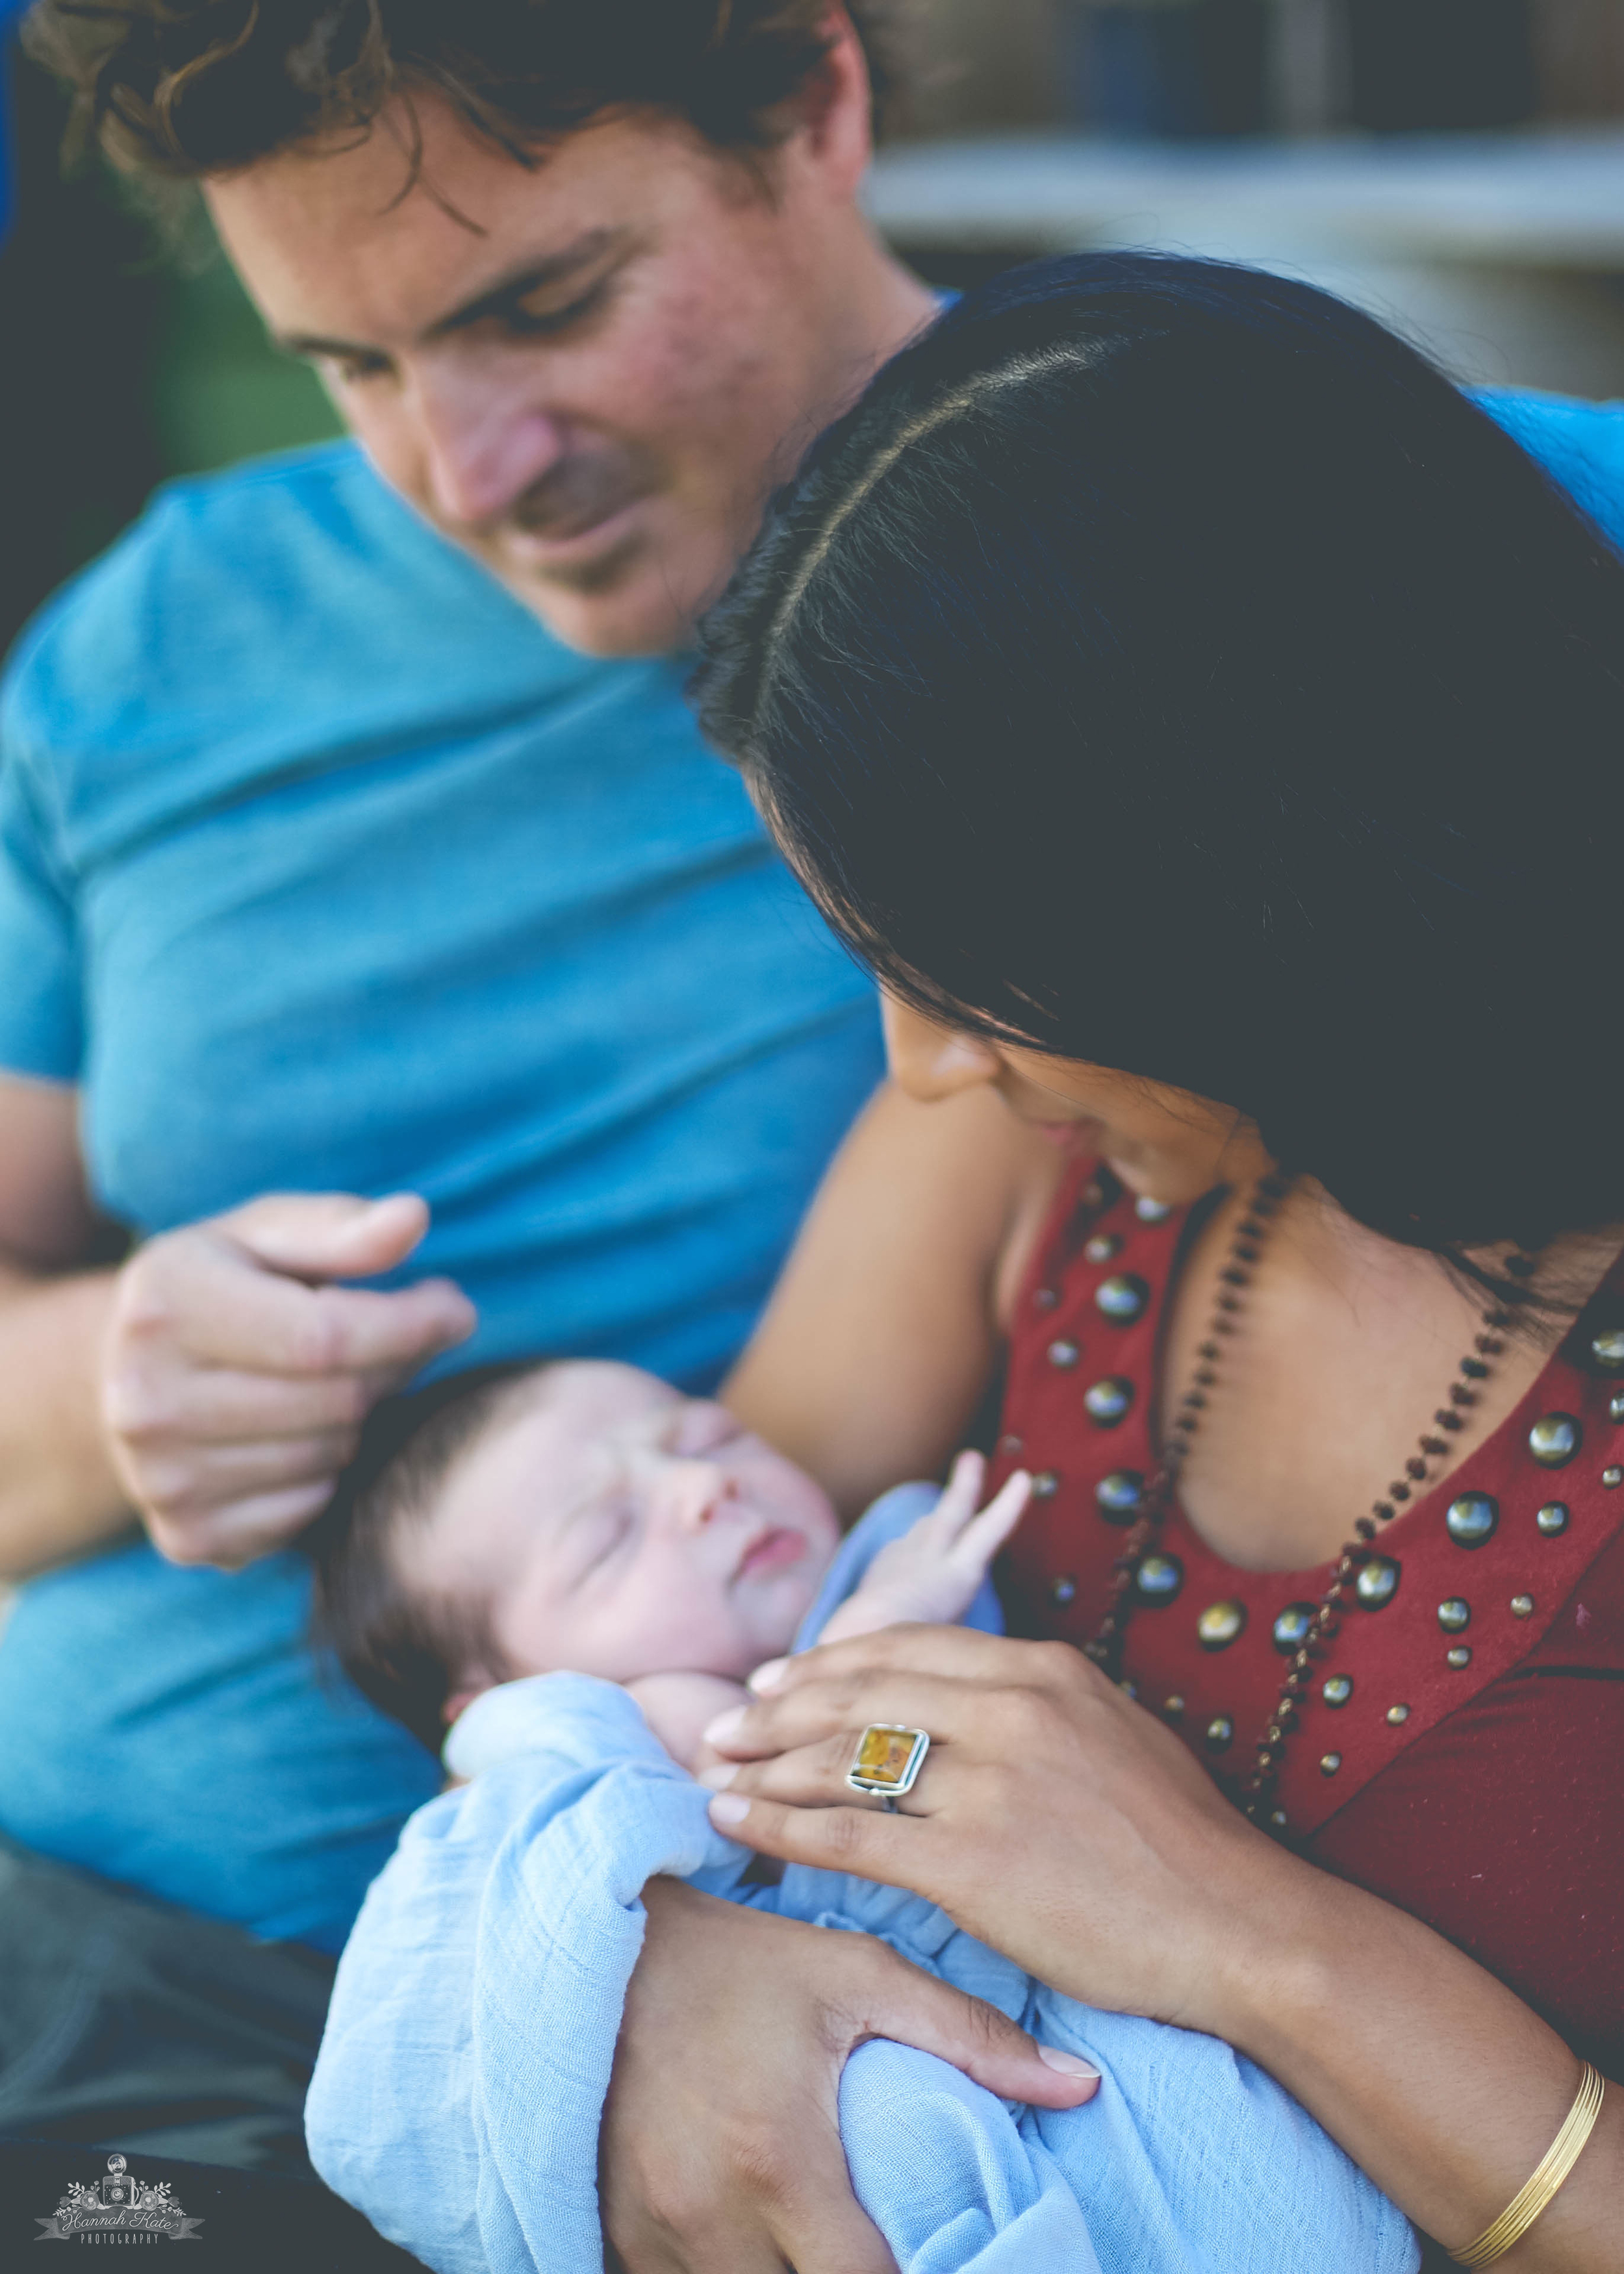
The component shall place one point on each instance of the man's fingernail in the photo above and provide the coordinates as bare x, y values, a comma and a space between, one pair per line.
719, 1776
1052, 2057
725, 1725
729, 1809
376, 1207
768, 1676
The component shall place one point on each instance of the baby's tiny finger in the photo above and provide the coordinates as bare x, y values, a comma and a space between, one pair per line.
982, 1539
960, 1496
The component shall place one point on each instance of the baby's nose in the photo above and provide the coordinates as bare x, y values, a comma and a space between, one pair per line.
701, 1490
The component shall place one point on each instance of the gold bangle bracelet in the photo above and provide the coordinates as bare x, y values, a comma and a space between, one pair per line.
1542, 2190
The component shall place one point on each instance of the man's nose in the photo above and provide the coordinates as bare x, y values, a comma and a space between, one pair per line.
930, 1062
484, 444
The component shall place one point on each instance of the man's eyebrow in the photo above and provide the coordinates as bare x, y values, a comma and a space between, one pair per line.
492, 300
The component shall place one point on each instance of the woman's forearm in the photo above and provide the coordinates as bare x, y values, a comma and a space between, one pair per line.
1438, 2082
883, 1331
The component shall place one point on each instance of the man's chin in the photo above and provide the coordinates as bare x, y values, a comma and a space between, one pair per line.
619, 603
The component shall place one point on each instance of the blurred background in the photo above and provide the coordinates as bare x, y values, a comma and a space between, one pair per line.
1458, 165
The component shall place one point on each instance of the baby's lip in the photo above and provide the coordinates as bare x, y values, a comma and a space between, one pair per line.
775, 1548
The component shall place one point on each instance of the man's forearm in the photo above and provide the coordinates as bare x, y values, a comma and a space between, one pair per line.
58, 1494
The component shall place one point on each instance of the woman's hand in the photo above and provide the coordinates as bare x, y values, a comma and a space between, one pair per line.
1059, 1822
1139, 1888
720, 2145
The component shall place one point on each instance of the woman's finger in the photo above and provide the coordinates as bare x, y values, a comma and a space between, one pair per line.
815, 1776
948, 1711
872, 1843
961, 1652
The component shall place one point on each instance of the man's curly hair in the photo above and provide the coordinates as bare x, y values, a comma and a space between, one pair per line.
185, 88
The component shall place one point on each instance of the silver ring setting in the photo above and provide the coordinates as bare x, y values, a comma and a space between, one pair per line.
889, 1757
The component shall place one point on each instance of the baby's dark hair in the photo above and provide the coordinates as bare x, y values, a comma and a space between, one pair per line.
402, 1650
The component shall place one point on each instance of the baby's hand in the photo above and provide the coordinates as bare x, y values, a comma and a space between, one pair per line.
680, 1707
932, 1573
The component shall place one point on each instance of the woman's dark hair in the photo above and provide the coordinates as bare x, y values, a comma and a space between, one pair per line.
1166, 665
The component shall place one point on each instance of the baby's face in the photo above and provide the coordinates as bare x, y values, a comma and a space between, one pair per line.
620, 1529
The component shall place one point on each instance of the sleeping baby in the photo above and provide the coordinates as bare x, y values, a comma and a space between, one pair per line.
585, 1516
578, 1566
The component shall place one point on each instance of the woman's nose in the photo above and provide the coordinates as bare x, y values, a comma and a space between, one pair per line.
931, 1062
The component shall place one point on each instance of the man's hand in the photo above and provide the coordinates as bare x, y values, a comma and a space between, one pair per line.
721, 2146
236, 1375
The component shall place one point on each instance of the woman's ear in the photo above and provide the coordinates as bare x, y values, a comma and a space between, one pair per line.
931, 1062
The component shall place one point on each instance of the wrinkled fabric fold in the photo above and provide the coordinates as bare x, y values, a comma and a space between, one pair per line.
458, 2094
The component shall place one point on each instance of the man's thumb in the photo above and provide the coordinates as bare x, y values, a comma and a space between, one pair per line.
318, 1236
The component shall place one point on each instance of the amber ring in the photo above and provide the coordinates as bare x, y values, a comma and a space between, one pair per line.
889, 1760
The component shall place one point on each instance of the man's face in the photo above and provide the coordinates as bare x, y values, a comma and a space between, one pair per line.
587, 374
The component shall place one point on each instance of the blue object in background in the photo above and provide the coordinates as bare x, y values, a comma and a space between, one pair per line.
1178, 70
9, 10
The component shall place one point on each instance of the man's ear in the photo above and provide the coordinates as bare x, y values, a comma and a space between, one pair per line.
837, 105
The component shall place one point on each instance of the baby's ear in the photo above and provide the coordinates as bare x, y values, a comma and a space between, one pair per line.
457, 1704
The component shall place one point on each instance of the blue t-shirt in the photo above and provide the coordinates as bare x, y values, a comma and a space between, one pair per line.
323, 866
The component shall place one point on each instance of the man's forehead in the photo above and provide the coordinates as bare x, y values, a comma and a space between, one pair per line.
384, 235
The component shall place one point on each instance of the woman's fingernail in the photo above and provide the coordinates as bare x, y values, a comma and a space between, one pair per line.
718, 1732
768, 1676
1052, 2057
719, 1776
729, 1809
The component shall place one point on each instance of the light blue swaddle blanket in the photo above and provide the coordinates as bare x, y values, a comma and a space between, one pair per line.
458, 2095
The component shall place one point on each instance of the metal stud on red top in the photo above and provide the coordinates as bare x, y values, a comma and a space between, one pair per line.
1357, 1561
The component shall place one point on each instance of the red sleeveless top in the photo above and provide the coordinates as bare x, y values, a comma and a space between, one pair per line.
1467, 1761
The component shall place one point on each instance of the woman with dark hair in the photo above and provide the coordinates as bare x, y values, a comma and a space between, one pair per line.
1205, 722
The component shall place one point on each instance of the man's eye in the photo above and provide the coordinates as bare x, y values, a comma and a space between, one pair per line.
355, 371
533, 322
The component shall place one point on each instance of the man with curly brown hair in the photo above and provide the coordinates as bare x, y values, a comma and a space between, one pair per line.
326, 872
581, 280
